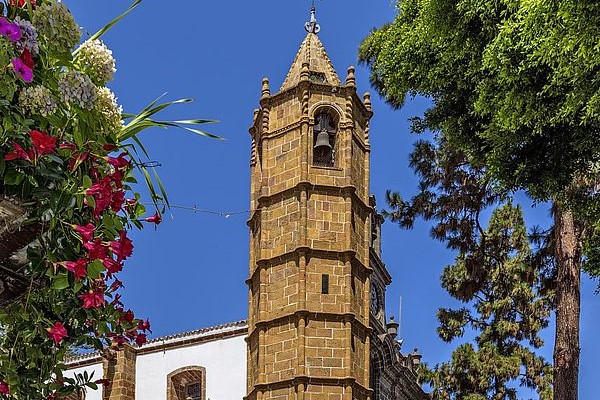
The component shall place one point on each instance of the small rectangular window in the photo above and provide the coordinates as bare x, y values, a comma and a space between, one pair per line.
325, 284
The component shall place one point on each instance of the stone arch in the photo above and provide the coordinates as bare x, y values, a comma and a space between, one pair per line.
325, 131
187, 383
333, 107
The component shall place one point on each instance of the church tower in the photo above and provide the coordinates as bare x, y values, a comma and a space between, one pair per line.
313, 234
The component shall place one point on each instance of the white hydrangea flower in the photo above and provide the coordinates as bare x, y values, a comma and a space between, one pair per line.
56, 27
111, 111
37, 100
97, 61
77, 88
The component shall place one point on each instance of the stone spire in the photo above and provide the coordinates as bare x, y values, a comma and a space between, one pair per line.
312, 53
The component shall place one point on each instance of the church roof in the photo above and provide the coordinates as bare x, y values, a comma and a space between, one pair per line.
208, 334
311, 52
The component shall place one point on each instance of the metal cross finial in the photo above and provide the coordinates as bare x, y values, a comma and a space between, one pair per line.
313, 26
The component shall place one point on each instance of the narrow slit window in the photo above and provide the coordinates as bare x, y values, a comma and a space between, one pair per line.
325, 284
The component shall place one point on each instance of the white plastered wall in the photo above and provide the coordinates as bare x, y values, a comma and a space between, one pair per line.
224, 360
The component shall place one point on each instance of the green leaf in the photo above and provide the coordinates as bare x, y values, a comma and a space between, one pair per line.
60, 282
95, 269
112, 23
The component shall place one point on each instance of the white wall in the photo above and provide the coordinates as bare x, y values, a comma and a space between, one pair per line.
98, 374
224, 360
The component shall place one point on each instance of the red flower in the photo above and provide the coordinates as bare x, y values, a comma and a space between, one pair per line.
4, 388
144, 325
57, 332
117, 200
127, 316
123, 247
115, 285
86, 232
22, 3
102, 193
156, 218
119, 161
93, 299
78, 268
44, 144
76, 160
112, 266
27, 58
140, 339
116, 302
96, 250
68, 146
19, 153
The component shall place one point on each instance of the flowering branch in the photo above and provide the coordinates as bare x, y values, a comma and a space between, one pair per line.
63, 154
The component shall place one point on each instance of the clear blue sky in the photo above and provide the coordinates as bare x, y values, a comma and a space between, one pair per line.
190, 272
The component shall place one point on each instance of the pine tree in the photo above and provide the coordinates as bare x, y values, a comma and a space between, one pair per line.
507, 311
498, 273
515, 86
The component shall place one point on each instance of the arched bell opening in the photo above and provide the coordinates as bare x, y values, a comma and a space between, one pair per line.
324, 137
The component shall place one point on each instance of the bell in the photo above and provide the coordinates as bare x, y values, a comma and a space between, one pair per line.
323, 140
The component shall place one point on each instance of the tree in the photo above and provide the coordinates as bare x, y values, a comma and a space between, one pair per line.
508, 311
496, 272
516, 87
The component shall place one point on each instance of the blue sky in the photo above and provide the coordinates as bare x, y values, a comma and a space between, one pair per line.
190, 272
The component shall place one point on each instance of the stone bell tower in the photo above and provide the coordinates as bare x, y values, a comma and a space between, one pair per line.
309, 333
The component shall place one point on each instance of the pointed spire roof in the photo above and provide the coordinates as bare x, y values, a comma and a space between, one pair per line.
312, 53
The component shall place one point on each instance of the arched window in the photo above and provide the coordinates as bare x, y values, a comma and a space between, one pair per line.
188, 383
324, 138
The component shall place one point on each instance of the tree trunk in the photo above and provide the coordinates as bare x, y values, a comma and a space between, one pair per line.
568, 293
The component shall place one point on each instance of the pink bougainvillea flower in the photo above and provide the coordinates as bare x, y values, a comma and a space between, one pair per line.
123, 247
19, 153
96, 250
57, 332
27, 58
141, 339
22, 70
156, 218
119, 161
78, 268
86, 232
43, 143
9, 30
93, 298
4, 388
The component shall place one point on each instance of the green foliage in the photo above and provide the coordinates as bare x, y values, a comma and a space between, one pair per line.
63, 165
507, 312
498, 274
516, 84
